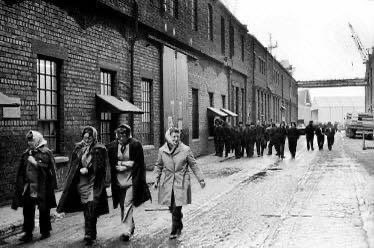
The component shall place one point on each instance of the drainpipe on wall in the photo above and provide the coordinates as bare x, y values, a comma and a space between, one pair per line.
135, 15
254, 109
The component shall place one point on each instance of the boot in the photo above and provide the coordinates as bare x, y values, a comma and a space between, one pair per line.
27, 237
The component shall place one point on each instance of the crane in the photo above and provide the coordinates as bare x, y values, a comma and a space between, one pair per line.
363, 52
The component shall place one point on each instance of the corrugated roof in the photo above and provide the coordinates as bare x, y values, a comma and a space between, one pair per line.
339, 101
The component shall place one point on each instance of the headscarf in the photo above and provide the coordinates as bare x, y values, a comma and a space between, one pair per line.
85, 151
169, 142
37, 138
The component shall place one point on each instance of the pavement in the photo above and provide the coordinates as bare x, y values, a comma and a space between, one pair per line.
12, 220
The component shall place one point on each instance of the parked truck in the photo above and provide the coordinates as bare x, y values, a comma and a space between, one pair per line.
359, 124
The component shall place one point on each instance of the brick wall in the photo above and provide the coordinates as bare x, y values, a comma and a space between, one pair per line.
82, 44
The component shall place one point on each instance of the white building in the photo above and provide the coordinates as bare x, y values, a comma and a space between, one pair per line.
304, 106
334, 108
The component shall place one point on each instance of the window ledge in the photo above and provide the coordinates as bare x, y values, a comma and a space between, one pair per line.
210, 137
148, 147
196, 140
61, 159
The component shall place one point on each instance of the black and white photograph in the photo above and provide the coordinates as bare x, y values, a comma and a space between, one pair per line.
187, 123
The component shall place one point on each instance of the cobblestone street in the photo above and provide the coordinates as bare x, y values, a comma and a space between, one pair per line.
320, 199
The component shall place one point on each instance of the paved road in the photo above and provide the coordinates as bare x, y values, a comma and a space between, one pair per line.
321, 199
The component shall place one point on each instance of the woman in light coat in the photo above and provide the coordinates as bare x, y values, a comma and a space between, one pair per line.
173, 168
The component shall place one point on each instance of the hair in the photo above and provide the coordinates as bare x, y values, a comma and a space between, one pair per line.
124, 129
87, 130
29, 136
174, 130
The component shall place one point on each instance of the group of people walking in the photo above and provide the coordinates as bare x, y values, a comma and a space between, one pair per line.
94, 167
320, 131
240, 139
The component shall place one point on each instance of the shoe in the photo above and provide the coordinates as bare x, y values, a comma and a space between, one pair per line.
27, 237
45, 235
88, 242
125, 237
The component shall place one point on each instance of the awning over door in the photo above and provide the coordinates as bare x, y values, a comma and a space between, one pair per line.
6, 101
216, 111
229, 112
116, 105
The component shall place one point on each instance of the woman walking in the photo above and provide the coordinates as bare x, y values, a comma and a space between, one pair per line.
174, 162
35, 185
88, 176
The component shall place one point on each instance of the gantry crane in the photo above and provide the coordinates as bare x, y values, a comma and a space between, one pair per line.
363, 51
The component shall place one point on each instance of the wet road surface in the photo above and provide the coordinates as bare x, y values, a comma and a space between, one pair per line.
320, 199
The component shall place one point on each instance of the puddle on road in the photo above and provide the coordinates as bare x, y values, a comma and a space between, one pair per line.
224, 172
254, 178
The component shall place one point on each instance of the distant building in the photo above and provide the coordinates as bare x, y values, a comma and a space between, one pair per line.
334, 108
304, 106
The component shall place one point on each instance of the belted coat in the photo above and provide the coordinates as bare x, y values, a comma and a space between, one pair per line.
173, 174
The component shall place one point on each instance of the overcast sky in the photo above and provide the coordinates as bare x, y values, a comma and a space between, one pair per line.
313, 35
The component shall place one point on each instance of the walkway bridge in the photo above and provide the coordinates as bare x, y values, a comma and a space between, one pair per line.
332, 83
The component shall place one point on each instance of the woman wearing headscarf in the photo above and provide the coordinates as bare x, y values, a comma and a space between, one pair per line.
172, 170
35, 185
88, 176
128, 173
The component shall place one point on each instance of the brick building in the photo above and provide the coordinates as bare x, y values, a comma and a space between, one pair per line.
148, 63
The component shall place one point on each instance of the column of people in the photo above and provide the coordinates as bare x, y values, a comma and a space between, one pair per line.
95, 167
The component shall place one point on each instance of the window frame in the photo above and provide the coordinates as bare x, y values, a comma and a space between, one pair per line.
106, 118
146, 138
54, 102
195, 113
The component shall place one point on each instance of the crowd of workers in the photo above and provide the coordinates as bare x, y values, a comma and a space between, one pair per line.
242, 139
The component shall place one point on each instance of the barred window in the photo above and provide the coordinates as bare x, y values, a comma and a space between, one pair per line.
194, 15
47, 100
223, 43
106, 82
210, 22
146, 132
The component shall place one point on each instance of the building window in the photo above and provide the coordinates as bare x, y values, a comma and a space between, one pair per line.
223, 42
231, 40
210, 22
242, 46
237, 103
170, 7
195, 114
223, 101
243, 105
262, 66
146, 134
47, 100
194, 14
106, 82
211, 99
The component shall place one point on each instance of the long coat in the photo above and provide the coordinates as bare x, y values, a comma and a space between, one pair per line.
47, 182
140, 188
173, 171
70, 200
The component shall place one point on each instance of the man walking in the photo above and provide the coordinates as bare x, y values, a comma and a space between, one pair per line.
309, 133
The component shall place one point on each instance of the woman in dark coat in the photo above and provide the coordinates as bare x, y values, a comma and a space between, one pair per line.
129, 185
293, 135
35, 185
88, 176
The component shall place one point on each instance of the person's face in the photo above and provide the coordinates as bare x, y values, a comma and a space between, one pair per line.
31, 144
88, 139
175, 138
123, 138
